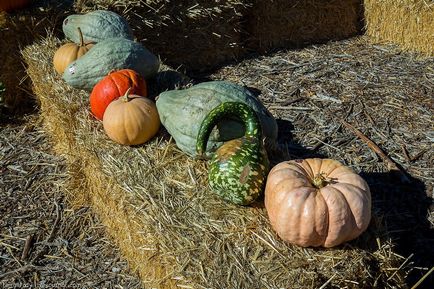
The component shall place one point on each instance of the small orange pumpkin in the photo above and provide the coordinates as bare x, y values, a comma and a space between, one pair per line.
317, 202
9, 5
113, 86
131, 119
70, 52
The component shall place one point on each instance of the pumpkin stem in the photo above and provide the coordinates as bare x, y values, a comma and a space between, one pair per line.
126, 96
319, 181
81, 36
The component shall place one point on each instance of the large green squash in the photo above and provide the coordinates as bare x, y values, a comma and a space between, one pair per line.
182, 112
96, 26
108, 55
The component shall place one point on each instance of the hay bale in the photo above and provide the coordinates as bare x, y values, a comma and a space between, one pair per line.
17, 30
408, 23
282, 23
196, 35
157, 207
201, 35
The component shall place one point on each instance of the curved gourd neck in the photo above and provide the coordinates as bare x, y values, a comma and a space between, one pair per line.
226, 110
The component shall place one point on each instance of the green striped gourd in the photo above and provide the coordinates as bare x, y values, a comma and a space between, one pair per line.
238, 169
105, 56
182, 112
96, 26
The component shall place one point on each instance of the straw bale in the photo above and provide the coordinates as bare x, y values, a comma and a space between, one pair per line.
201, 35
407, 23
17, 30
157, 207
282, 23
196, 35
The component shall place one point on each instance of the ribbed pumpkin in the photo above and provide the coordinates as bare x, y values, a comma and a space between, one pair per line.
113, 86
238, 169
131, 119
317, 202
9, 5
70, 52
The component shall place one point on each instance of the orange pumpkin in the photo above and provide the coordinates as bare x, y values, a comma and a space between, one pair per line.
317, 202
131, 119
114, 86
9, 5
70, 52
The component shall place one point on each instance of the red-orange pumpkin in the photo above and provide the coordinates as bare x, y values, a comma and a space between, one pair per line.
9, 5
317, 202
114, 86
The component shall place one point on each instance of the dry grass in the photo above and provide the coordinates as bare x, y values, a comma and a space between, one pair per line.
43, 242
155, 201
408, 23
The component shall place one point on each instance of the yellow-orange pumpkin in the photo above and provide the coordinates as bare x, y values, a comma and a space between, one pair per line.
131, 119
70, 52
317, 202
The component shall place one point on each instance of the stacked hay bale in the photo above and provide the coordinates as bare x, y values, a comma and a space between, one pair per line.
408, 23
200, 35
18, 29
173, 230
282, 23
196, 35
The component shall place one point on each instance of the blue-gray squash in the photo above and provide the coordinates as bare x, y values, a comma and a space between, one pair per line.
182, 112
96, 26
105, 56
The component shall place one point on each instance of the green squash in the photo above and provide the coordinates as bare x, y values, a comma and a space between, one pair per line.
238, 169
108, 55
96, 26
182, 111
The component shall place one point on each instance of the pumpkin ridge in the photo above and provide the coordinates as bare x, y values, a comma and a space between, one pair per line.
361, 195
305, 232
341, 171
326, 218
308, 174
360, 227
128, 113
325, 166
308, 169
335, 214
349, 184
118, 86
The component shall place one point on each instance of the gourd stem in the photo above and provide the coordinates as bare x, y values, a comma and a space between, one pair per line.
126, 96
81, 36
319, 181
225, 110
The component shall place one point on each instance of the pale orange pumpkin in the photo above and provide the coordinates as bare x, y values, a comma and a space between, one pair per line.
131, 119
70, 52
317, 202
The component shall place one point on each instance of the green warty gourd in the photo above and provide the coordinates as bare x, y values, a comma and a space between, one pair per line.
238, 169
